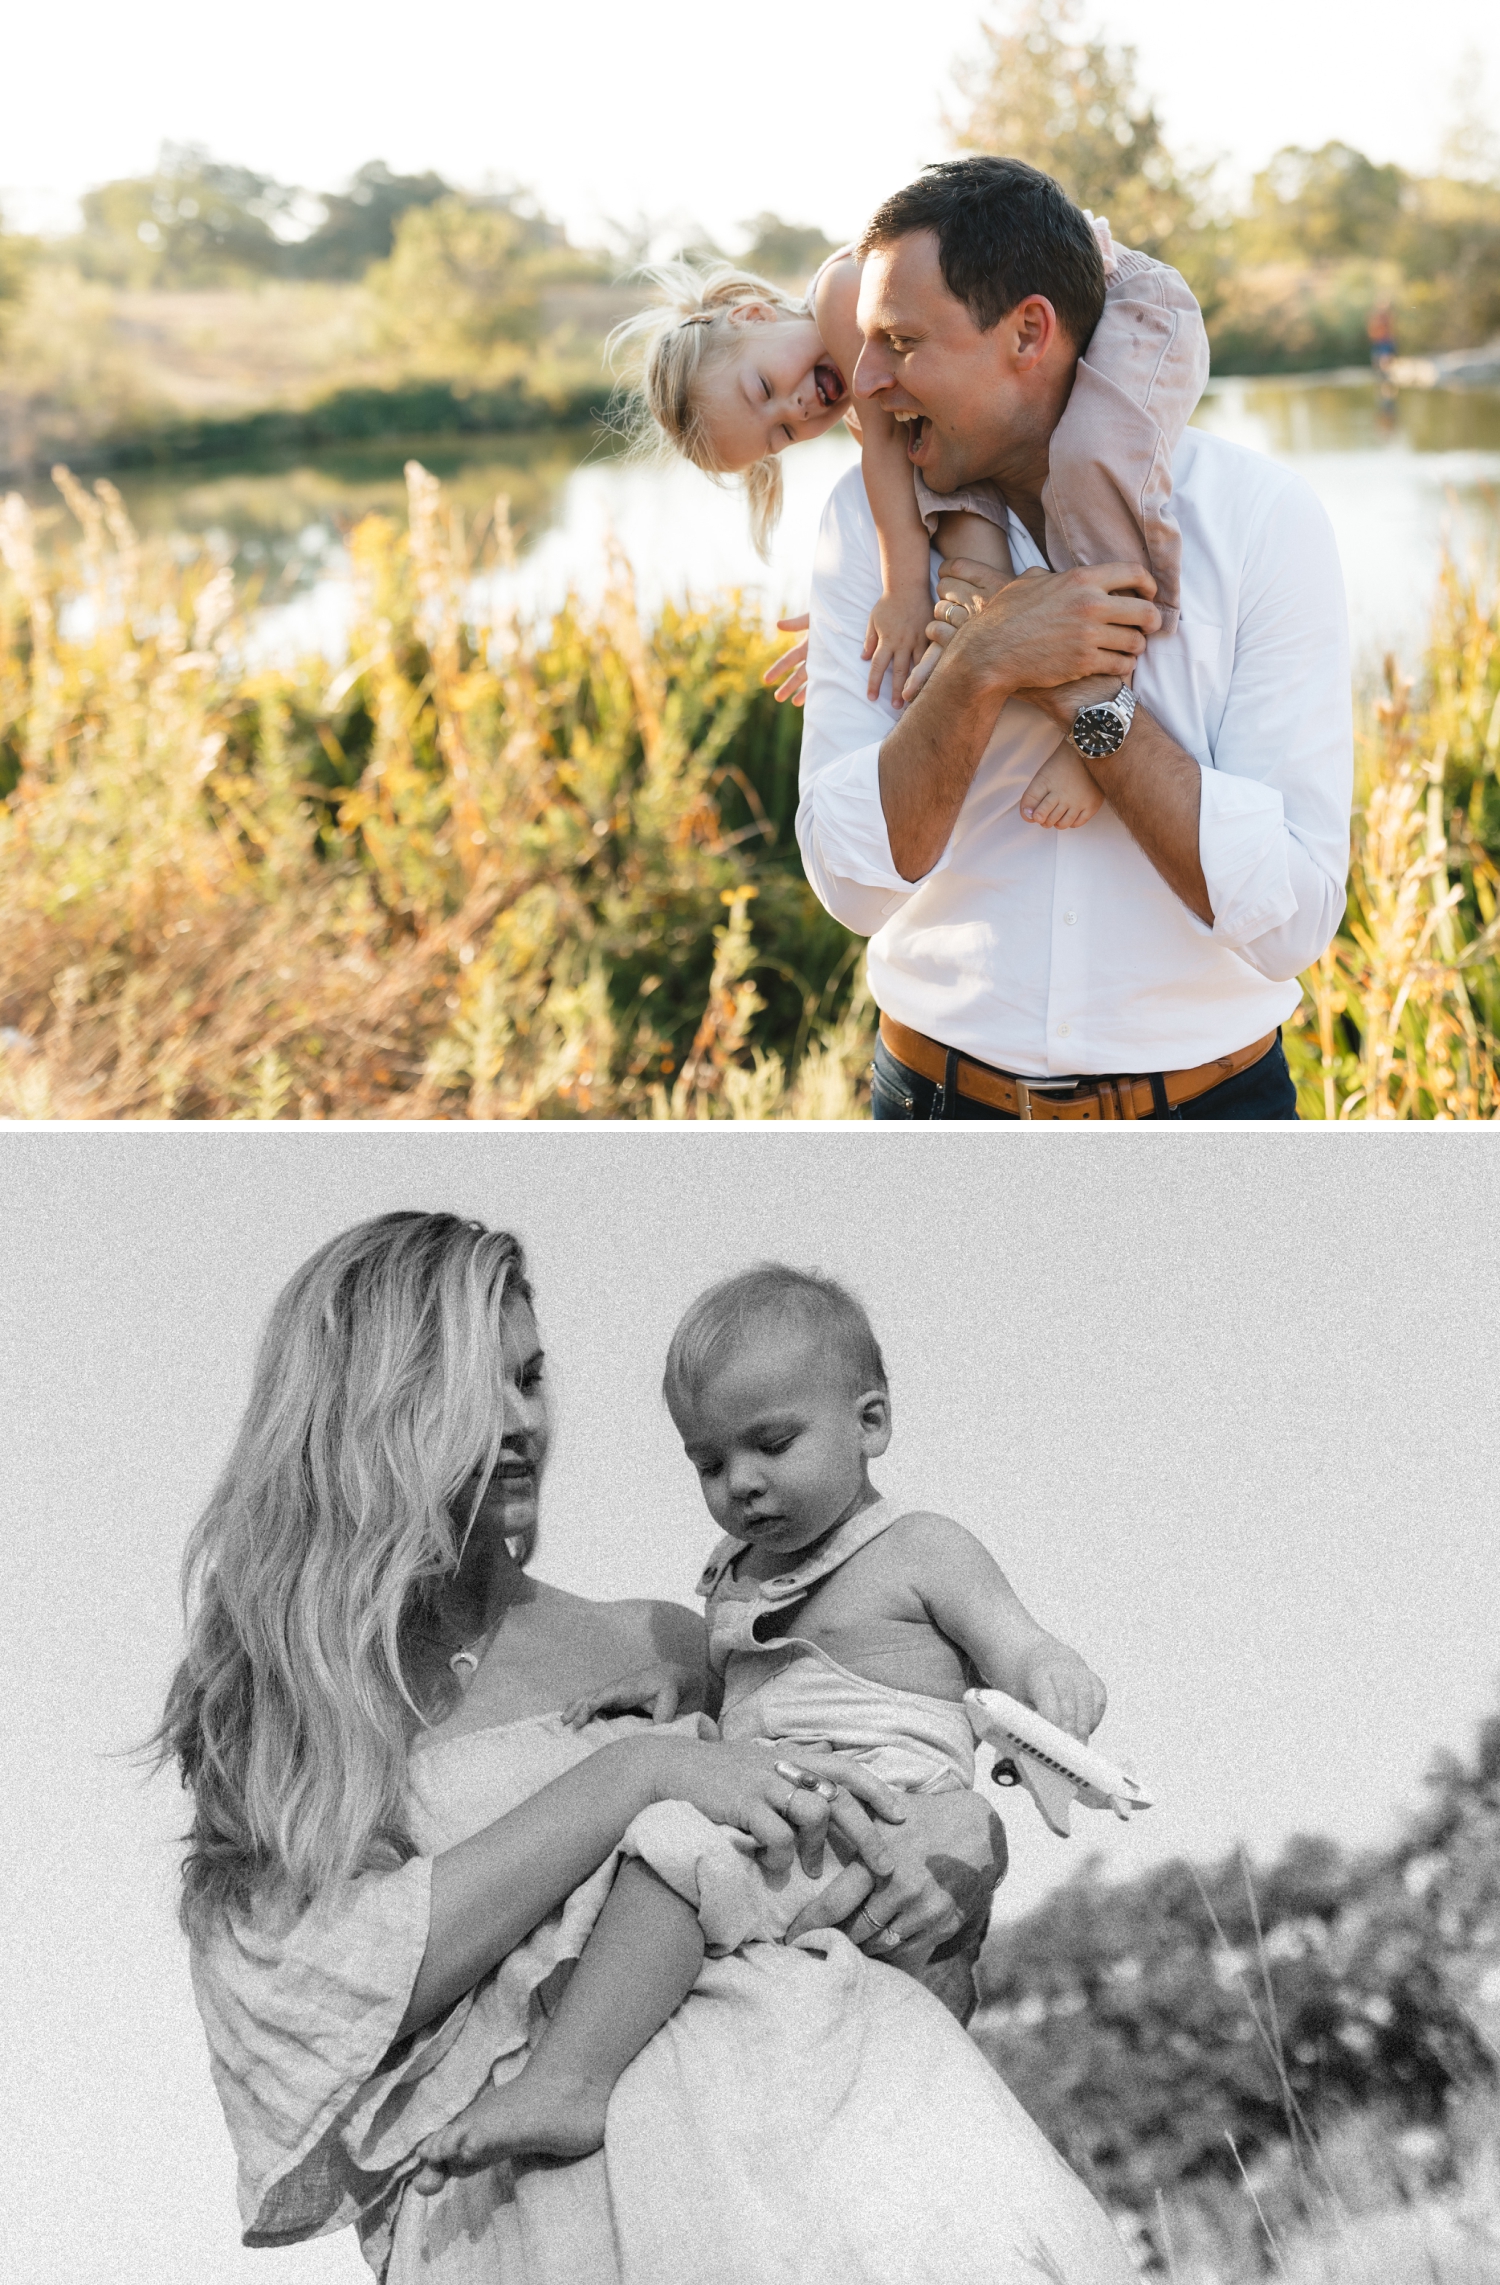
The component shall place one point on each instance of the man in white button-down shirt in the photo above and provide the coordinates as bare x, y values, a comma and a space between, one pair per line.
1142, 964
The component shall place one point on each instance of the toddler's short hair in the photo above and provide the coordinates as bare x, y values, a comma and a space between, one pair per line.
719, 1320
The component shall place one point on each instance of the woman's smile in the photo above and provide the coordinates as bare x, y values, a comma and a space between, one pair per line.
829, 383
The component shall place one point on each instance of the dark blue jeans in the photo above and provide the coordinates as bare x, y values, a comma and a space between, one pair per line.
1265, 1091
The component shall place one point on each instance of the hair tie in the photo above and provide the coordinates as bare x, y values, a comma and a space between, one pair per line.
701, 317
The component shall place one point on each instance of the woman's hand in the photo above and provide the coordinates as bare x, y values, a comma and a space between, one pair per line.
750, 1787
948, 1860
788, 674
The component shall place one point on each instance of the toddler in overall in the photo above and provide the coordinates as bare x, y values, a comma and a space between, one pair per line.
735, 371
836, 1620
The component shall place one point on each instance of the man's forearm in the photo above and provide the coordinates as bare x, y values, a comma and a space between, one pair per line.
927, 763
1156, 790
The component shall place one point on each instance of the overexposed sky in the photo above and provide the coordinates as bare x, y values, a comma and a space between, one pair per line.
671, 110
1222, 1404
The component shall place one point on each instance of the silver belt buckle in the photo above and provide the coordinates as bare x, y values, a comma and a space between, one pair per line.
1023, 1099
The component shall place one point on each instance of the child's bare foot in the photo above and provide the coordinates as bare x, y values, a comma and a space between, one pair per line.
533, 2115
1062, 793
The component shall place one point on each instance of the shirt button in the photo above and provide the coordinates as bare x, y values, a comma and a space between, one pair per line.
1069, 918
1063, 1030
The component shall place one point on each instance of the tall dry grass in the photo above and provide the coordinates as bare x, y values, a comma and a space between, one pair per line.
477, 871
485, 870
1403, 1010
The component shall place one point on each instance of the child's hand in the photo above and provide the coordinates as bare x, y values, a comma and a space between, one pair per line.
1056, 1682
657, 1690
895, 640
788, 674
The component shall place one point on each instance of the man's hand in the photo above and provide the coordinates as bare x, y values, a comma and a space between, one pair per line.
1046, 632
949, 1860
1051, 627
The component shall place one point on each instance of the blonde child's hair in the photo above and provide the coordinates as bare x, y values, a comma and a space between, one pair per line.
678, 341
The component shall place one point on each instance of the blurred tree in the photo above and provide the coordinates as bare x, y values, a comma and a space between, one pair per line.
1047, 92
16, 257
359, 224
460, 292
1138, 2039
1470, 149
1322, 206
195, 222
780, 249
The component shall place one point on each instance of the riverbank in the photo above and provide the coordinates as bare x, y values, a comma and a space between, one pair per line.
110, 379
512, 870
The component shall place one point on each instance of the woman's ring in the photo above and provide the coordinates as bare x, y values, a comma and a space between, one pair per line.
950, 606
824, 1787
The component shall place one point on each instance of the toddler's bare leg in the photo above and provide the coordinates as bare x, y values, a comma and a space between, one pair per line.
1062, 793
960, 533
636, 1969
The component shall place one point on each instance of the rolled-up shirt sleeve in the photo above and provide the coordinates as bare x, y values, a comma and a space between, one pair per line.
1273, 833
841, 829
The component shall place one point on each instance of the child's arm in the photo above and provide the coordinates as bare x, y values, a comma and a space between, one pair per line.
969, 1599
975, 538
897, 634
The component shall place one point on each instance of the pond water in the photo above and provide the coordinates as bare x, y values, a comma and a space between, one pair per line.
1401, 481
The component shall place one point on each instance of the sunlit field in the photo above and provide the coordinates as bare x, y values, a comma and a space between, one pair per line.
514, 870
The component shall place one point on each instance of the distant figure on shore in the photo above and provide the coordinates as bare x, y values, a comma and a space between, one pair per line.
1382, 332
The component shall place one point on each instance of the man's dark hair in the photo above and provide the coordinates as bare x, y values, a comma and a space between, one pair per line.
1004, 230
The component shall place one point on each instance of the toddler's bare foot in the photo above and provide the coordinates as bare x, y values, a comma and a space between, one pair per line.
532, 2115
1062, 793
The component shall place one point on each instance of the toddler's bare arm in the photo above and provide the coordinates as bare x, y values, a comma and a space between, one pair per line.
962, 533
969, 1599
898, 623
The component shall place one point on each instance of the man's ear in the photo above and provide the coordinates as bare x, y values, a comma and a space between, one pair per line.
874, 1408
1033, 329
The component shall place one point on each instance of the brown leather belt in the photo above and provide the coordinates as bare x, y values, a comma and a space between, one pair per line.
1117, 1097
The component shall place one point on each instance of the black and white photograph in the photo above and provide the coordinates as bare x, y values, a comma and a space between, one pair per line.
752, 1707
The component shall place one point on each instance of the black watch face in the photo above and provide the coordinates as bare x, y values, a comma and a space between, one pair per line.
1098, 730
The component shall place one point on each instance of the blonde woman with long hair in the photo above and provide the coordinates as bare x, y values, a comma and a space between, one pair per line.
399, 1848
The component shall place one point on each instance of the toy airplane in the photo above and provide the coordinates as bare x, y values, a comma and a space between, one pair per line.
1054, 1768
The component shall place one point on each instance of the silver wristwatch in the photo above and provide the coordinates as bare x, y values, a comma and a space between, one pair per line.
1100, 730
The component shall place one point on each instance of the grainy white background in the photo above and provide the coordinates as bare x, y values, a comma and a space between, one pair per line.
1223, 1404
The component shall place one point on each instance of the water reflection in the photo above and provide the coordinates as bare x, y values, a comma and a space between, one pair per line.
1402, 478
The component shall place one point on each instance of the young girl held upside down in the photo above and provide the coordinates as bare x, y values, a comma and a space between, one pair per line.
735, 371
